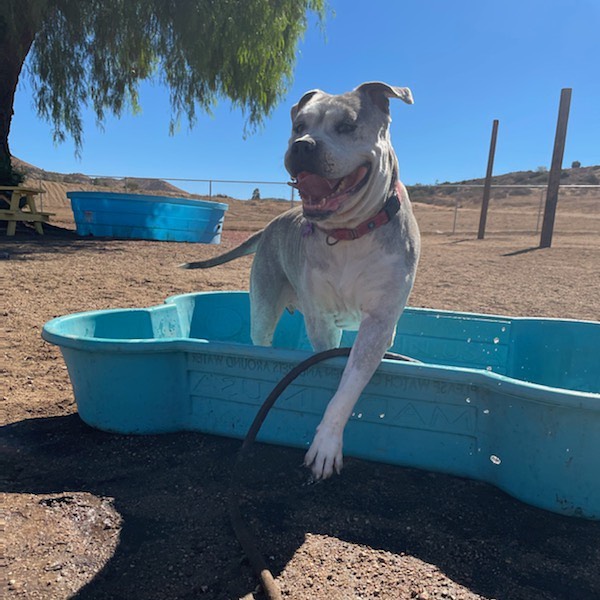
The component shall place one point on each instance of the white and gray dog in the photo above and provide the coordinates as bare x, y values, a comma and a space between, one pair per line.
347, 258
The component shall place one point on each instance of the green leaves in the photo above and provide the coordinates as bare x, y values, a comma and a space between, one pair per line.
95, 53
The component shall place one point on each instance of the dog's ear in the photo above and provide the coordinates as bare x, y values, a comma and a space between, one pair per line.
380, 93
296, 108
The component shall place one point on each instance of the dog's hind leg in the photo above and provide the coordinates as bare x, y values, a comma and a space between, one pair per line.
265, 316
322, 332
270, 294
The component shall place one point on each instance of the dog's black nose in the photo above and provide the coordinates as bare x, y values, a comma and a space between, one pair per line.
304, 147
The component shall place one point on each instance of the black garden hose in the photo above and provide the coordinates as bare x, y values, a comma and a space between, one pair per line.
243, 534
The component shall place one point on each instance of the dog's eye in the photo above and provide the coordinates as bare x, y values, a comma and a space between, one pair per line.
299, 128
346, 127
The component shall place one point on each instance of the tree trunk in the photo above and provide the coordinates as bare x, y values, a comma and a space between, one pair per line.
13, 50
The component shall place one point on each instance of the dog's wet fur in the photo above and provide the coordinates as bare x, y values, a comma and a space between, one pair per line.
341, 160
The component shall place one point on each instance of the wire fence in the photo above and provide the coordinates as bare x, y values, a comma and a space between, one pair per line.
513, 209
452, 209
210, 188
455, 209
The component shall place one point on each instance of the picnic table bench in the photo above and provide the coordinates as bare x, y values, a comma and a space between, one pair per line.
21, 207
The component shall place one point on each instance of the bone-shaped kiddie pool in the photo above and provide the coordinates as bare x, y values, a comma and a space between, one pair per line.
511, 401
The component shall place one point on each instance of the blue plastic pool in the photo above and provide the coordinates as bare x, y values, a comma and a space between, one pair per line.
511, 401
136, 216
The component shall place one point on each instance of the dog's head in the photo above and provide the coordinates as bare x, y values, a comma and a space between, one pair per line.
340, 152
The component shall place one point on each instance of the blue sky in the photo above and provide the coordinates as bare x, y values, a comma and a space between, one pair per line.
467, 62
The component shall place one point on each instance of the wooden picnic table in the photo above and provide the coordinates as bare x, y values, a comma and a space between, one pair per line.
21, 207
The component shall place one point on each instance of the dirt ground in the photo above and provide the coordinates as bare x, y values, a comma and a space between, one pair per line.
88, 514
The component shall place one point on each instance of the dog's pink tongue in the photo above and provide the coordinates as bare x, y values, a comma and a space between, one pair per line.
314, 187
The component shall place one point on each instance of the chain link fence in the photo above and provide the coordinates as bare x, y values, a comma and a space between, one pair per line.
513, 209
452, 209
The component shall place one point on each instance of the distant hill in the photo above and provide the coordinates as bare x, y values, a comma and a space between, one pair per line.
572, 176
132, 184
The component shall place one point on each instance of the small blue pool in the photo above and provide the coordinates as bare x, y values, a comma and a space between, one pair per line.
511, 401
136, 216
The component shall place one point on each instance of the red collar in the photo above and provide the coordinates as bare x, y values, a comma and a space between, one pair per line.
385, 215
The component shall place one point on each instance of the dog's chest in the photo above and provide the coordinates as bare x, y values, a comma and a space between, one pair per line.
352, 279
338, 295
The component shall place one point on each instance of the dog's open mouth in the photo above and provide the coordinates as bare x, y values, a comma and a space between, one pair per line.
321, 196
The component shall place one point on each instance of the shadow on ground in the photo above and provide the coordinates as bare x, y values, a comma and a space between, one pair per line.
27, 244
176, 541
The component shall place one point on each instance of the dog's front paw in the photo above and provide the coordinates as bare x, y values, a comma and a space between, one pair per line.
325, 454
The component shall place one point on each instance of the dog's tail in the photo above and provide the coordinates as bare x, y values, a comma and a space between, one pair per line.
245, 248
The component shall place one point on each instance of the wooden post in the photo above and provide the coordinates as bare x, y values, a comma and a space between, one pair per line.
539, 217
455, 215
488, 182
555, 169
